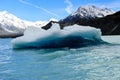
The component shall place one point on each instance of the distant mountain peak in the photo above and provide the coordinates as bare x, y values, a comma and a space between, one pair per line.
11, 26
83, 14
4, 12
91, 11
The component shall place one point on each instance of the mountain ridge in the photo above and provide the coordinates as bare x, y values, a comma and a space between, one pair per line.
84, 13
12, 26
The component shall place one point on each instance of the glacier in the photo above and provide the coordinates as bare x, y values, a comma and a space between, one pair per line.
71, 37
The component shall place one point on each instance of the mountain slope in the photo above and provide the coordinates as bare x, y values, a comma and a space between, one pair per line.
109, 25
84, 14
11, 22
106, 20
91, 11
4, 33
12, 26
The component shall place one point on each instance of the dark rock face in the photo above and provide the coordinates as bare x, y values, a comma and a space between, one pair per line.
48, 25
109, 25
74, 20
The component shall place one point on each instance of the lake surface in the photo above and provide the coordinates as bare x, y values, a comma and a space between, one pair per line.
101, 62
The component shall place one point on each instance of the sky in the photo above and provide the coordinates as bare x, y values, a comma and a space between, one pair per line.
37, 10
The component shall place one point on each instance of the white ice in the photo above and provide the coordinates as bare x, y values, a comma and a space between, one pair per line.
37, 37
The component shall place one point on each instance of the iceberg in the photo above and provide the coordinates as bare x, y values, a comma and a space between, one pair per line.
71, 37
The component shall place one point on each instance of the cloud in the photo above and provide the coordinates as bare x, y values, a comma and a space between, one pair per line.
69, 8
36, 6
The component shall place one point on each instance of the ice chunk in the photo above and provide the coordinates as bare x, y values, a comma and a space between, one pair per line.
71, 36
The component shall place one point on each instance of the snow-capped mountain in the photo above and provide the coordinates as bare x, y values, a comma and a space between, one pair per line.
11, 22
91, 11
85, 13
104, 19
12, 26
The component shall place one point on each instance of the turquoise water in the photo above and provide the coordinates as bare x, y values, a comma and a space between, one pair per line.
100, 62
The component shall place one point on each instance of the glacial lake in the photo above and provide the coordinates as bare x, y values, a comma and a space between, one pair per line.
101, 62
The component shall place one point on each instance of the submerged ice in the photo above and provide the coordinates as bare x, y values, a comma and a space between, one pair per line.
71, 36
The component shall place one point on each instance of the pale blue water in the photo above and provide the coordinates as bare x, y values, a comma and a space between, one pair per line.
100, 62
